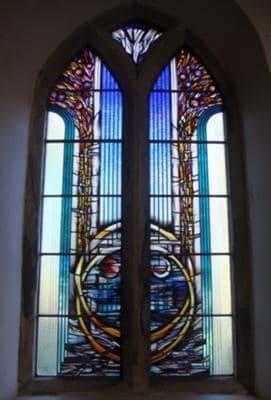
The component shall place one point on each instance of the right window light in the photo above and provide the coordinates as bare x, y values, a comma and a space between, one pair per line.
190, 300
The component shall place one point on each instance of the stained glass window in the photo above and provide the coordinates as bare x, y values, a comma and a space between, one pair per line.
191, 315
79, 304
136, 40
78, 314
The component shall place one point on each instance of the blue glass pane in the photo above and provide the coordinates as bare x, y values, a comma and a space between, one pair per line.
160, 169
108, 81
111, 115
160, 116
162, 82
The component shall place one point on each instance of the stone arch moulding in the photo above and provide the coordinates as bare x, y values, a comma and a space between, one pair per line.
135, 84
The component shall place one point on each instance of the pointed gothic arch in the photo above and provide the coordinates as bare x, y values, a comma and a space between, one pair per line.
133, 106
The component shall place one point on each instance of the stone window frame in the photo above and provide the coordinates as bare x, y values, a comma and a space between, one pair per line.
135, 83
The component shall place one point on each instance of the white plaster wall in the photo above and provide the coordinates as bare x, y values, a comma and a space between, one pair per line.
30, 30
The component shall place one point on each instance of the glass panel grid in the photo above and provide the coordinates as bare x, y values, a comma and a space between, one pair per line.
47, 350
220, 361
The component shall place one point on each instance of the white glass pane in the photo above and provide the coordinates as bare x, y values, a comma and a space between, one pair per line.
219, 225
217, 169
215, 127
74, 220
51, 220
221, 285
53, 168
195, 167
47, 346
222, 346
49, 285
55, 127
196, 225
75, 168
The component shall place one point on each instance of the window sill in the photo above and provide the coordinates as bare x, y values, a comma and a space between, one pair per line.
173, 388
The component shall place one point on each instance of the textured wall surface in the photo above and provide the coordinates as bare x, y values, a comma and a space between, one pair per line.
259, 14
238, 38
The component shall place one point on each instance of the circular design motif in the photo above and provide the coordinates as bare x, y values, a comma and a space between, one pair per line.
161, 267
110, 267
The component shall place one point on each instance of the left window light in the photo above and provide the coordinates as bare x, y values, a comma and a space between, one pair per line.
78, 308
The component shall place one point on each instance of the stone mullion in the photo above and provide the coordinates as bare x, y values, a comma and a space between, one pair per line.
135, 282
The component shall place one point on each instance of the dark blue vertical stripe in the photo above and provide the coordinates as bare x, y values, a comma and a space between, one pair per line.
160, 154
163, 80
110, 161
112, 213
108, 81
